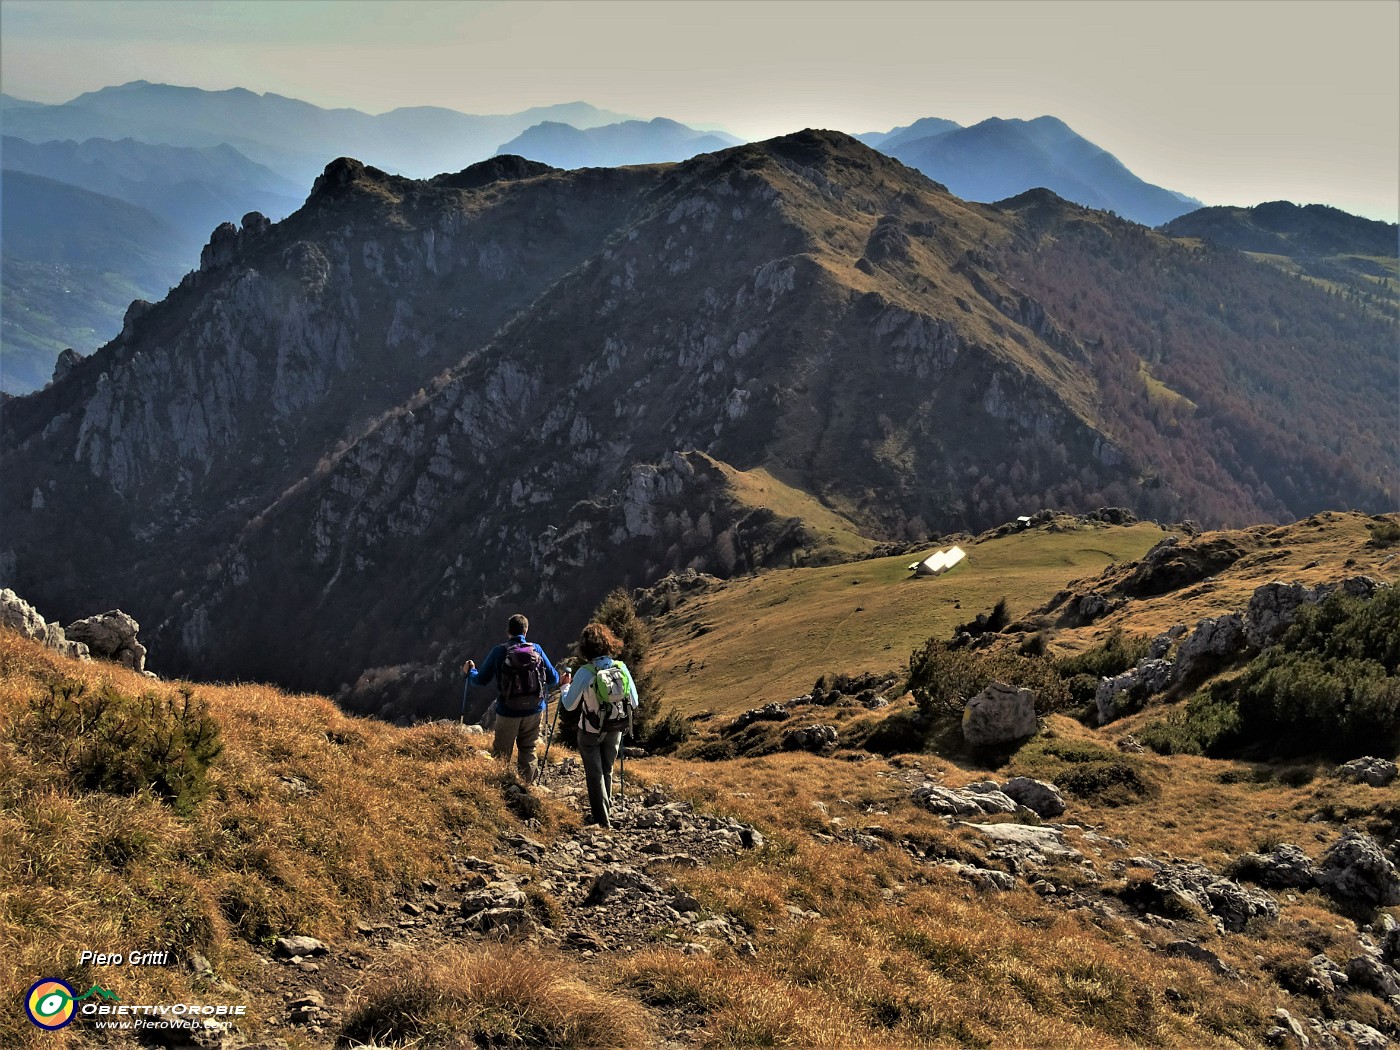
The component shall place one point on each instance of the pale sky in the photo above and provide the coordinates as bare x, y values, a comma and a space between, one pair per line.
1231, 102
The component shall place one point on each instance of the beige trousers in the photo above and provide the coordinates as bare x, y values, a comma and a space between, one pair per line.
523, 731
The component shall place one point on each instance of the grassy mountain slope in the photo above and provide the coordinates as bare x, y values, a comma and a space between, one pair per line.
747, 642
830, 535
752, 641
853, 925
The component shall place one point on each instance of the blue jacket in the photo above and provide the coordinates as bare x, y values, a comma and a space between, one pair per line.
491, 666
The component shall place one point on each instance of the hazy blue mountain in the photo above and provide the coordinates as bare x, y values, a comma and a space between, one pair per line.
924, 128
612, 145
294, 138
191, 188
998, 158
9, 102
72, 262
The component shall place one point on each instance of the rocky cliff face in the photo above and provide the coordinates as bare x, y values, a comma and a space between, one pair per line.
363, 436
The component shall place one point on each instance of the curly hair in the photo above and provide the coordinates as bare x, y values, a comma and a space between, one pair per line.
596, 640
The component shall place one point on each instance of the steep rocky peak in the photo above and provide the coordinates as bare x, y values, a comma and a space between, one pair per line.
225, 243
346, 175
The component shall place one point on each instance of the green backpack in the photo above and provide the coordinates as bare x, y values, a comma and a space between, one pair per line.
607, 706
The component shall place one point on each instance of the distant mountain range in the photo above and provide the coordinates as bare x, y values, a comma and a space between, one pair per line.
72, 262
293, 138
191, 189
196, 158
925, 127
54, 300
614, 145
362, 436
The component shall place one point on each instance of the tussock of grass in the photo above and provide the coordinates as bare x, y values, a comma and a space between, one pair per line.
495, 997
1086, 770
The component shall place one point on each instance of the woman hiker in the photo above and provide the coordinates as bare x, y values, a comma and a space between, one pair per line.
604, 689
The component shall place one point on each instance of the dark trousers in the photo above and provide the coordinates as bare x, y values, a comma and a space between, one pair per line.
599, 752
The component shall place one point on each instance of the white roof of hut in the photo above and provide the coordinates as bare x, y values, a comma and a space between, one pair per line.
939, 562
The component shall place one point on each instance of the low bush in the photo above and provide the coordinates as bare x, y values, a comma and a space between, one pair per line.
1086, 770
943, 678
1384, 534
1115, 654
110, 741
1329, 687
986, 623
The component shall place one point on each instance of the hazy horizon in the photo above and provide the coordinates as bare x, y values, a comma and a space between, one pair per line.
1229, 102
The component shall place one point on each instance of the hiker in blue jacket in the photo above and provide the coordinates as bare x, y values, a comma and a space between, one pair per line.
523, 675
603, 688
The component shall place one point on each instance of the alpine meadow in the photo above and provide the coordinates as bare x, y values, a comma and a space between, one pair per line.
983, 561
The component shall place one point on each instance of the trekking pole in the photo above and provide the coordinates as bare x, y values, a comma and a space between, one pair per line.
622, 775
549, 740
462, 714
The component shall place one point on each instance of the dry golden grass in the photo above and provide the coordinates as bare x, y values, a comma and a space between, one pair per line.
493, 997
769, 637
906, 953
311, 819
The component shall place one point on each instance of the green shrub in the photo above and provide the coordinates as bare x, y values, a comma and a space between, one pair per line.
986, 623
707, 751
1329, 687
1083, 688
105, 740
664, 734
901, 732
1114, 655
943, 678
1384, 534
